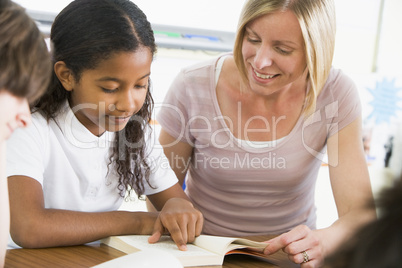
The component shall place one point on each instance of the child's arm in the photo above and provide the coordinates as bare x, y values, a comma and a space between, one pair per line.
34, 226
178, 216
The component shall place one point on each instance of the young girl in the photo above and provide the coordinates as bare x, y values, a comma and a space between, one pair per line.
24, 74
69, 172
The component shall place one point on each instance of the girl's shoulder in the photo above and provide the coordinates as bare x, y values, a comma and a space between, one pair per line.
31, 140
38, 130
39, 121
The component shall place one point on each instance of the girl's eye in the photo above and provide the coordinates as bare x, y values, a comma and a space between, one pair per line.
109, 91
141, 86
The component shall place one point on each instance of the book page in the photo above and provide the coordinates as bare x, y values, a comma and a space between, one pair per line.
221, 245
166, 244
241, 242
229, 245
206, 250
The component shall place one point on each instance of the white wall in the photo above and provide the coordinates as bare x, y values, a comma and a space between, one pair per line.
390, 57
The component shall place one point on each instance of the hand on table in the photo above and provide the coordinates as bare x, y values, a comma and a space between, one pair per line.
302, 245
181, 220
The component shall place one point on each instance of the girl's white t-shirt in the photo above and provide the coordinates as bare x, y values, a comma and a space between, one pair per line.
71, 163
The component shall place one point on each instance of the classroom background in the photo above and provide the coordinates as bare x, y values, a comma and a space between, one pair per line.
368, 48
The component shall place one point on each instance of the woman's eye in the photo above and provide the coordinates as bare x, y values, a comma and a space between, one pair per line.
284, 52
252, 40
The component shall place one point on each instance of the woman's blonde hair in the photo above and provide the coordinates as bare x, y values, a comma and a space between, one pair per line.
318, 26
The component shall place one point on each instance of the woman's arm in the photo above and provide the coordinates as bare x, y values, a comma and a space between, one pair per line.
178, 153
350, 183
179, 156
352, 191
34, 226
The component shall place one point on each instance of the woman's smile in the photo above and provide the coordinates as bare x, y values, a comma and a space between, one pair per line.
264, 76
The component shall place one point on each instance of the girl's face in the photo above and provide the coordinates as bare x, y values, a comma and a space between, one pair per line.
14, 113
273, 51
106, 97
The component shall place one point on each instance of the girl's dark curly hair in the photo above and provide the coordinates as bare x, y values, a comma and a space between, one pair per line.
85, 33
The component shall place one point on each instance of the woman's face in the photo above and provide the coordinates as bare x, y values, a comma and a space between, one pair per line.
273, 52
14, 113
106, 98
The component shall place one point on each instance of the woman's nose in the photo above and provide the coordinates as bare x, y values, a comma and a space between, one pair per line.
263, 58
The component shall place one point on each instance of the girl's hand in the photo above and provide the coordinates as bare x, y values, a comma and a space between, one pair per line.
181, 220
302, 245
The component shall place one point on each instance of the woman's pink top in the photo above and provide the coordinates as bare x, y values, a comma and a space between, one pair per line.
244, 189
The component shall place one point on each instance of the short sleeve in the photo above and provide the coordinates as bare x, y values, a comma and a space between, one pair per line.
162, 177
26, 151
346, 106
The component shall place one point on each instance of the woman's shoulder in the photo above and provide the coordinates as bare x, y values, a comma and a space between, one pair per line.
207, 66
230, 73
338, 78
340, 94
338, 85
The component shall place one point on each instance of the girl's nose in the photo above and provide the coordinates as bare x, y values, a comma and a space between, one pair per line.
126, 101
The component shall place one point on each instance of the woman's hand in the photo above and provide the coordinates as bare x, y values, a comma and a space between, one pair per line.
302, 245
181, 220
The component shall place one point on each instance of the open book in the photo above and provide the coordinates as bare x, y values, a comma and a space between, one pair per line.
205, 250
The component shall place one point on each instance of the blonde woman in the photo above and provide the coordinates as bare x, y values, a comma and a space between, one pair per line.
25, 70
251, 128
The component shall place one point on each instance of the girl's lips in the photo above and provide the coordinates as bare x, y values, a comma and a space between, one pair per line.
119, 119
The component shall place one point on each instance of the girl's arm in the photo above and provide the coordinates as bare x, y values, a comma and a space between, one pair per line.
34, 226
184, 220
178, 217
352, 192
